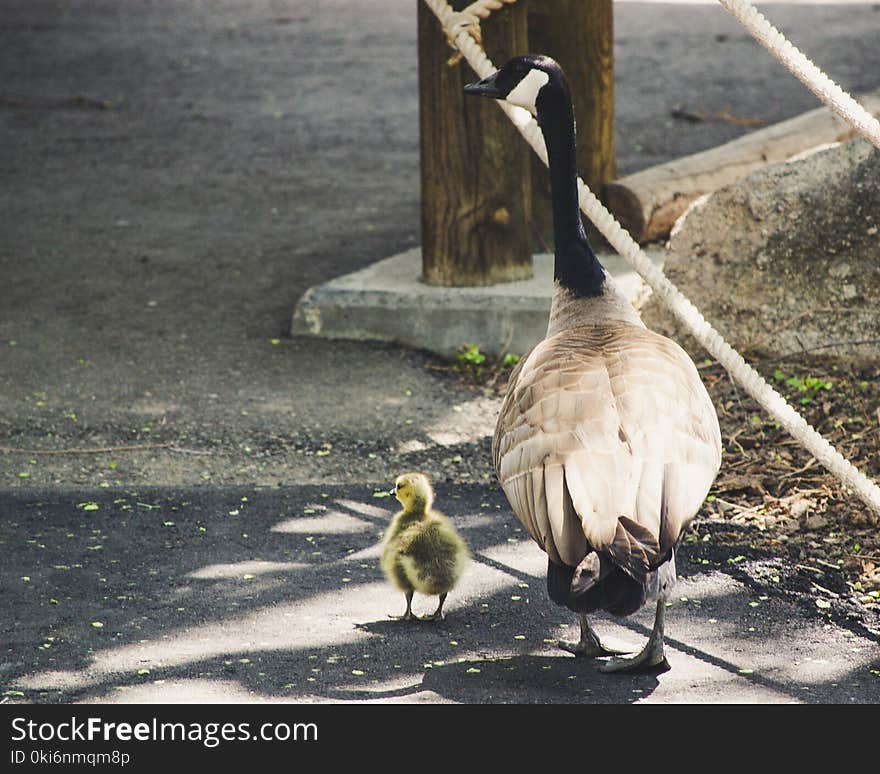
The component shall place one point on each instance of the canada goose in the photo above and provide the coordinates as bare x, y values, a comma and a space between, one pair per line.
607, 442
422, 551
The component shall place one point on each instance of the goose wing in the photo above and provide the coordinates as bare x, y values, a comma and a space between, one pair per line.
607, 440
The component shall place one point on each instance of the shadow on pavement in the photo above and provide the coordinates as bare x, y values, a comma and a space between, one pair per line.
275, 594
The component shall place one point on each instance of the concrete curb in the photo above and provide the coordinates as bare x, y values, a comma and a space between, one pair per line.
387, 301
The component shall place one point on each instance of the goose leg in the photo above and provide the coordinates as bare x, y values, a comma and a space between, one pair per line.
437, 615
589, 644
652, 657
408, 615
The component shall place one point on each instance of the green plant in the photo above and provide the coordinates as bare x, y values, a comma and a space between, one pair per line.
470, 355
482, 368
510, 360
809, 385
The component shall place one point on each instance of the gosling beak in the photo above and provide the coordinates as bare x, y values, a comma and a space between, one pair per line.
485, 88
392, 491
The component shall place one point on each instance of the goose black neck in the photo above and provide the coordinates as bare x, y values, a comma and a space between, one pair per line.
576, 266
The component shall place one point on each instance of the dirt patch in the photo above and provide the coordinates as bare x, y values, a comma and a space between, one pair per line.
786, 504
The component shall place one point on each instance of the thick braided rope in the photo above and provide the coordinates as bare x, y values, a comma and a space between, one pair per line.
803, 69
683, 309
468, 20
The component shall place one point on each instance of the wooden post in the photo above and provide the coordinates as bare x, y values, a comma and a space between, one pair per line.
476, 188
579, 34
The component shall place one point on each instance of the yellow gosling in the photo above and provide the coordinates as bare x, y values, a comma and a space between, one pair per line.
421, 550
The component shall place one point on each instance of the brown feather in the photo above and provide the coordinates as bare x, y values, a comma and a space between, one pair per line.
606, 441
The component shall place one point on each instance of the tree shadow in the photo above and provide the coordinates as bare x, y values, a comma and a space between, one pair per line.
237, 595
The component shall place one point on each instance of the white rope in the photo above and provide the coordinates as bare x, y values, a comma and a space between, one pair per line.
683, 309
803, 69
468, 20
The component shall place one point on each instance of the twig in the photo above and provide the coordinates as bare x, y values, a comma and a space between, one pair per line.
807, 350
504, 351
732, 439
540, 237
804, 469
829, 592
77, 101
96, 450
695, 117
740, 511
181, 450
497, 367
827, 564
741, 463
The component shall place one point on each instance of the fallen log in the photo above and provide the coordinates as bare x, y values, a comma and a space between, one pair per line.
648, 203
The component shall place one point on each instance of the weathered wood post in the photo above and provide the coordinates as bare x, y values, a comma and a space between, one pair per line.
476, 188
485, 196
579, 34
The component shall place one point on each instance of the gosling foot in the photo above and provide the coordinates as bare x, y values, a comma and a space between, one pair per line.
437, 615
408, 615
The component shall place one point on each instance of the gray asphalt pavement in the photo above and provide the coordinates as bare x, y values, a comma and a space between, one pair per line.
175, 176
247, 594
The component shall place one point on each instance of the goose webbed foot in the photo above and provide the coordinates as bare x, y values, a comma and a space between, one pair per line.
437, 615
651, 658
589, 645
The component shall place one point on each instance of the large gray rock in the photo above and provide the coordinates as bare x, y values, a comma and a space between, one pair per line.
787, 259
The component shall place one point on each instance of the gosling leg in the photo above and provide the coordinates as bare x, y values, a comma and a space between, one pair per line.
408, 615
437, 615
589, 644
652, 658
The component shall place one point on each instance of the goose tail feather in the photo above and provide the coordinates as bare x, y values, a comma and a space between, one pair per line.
597, 583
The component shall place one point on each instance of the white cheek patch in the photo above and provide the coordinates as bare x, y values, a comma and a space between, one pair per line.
526, 91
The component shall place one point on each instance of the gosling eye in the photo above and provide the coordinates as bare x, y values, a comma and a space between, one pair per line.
400, 486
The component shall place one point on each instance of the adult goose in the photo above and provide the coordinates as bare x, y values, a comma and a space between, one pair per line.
607, 442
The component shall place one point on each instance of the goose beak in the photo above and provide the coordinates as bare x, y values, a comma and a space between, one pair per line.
392, 491
485, 88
